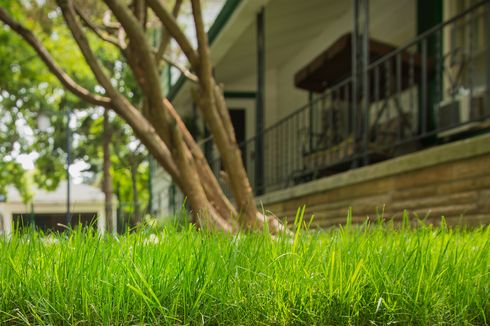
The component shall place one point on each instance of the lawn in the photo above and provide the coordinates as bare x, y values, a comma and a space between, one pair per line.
375, 274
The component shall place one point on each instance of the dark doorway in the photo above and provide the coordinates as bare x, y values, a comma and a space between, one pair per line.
238, 120
54, 222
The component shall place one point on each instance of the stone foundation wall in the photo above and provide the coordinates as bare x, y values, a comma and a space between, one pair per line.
451, 180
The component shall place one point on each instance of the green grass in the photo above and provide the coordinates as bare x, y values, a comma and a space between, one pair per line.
371, 274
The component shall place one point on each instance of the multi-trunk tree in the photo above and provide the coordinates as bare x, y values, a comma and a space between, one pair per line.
124, 25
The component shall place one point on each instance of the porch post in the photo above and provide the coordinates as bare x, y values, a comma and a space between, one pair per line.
487, 54
259, 113
365, 79
7, 223
311, 133
354, 50
101, 219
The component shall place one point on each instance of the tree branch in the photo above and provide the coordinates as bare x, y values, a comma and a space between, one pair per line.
211, 185
215, 111
139, 44
80, 38
175, 31
56, 70
108, 25
105, 37
205, 71
121, 36
165, 39
185, 72
140, 11
142, 128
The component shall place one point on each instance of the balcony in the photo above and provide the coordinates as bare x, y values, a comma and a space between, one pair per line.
433, 90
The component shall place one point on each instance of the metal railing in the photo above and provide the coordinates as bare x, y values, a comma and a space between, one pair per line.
432, 90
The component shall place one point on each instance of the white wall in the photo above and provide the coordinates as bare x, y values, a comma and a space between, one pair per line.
161, 192
249, 83
7, 210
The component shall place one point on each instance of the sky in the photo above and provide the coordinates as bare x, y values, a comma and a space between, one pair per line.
76, 169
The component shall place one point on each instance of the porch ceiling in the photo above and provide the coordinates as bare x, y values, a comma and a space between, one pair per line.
289, 25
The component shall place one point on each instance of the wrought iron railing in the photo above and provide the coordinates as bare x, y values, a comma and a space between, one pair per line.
433, 89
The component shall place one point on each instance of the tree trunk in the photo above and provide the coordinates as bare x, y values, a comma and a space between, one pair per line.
158, 125
107, 177
136, 216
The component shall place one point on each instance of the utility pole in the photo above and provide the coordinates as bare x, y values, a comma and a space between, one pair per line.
68, 162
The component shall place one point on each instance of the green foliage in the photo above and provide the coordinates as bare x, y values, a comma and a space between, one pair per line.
13, 173
50, 171
355, 275
126, 153
28, 89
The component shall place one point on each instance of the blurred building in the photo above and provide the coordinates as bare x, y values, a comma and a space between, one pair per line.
47, 211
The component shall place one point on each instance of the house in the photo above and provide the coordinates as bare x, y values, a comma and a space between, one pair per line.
47, 210
377, 105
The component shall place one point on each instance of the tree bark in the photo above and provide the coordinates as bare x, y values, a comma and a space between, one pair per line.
217, 116
136, 216
107, 176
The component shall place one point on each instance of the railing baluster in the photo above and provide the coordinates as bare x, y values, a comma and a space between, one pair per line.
438, 67
424, 87
297, 142
286, 129
345, 115
378, 105
353, 129
411, 85
487, 56
276, 156
387, 88
452, 58
301, 163
385, 108
337, 123
268, 161
471, 24
286, 151
330, 126
280, 161
309, 131
292, 135
398, 96
272, 151
283, 151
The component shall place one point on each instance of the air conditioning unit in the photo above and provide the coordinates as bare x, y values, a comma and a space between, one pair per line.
454, 115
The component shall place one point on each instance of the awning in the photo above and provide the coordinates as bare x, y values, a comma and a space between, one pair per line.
335, 64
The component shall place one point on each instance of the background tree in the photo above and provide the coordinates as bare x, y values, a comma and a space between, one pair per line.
154, 120
30, 90
118, 159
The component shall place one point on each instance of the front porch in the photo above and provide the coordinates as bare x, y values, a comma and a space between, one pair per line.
430, 91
